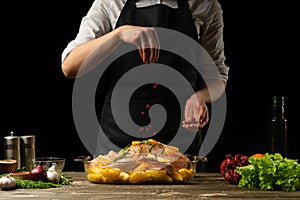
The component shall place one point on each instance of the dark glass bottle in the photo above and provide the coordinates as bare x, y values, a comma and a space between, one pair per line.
278, 127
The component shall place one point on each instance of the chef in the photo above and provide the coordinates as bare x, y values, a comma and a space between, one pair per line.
109, 23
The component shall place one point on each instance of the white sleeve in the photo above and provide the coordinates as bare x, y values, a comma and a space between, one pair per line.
95, 23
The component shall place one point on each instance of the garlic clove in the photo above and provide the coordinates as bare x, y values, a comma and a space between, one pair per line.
8, 182
53, 176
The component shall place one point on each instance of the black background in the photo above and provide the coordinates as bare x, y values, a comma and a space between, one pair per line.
260, 46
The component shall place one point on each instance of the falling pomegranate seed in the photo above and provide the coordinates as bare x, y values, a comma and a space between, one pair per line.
142, 113
148, 106
155, 86
141, 129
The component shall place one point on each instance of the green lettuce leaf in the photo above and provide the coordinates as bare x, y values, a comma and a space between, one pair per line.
271, 172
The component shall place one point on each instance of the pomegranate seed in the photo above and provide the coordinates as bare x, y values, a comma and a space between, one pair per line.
155, 86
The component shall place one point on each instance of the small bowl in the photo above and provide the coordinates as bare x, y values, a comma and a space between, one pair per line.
22, 175
47, 162
8, 166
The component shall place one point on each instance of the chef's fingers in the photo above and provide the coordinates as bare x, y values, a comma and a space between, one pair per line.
157, 51
148, 55
146, 52
144, 46
150, 43
193, 127
156, 46
196, 114
141, 53
188, 114
146, 43
203, 120
152, 54
139, 47
191, 112
145, 39
190, 121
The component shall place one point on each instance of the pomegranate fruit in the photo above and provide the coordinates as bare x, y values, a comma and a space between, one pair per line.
241, 160
228, 167
228, 163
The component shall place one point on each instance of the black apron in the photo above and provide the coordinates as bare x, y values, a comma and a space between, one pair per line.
179, 19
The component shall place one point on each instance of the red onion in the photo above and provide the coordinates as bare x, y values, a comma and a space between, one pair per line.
38, 173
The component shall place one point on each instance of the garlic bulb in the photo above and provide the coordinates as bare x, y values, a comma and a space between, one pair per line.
7, 182
52, 175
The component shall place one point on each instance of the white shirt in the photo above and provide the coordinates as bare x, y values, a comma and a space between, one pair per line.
207, 14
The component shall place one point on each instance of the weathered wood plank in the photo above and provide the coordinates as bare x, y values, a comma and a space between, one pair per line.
203, 186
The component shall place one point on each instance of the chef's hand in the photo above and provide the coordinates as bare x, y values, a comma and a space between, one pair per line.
145, 39
196, 113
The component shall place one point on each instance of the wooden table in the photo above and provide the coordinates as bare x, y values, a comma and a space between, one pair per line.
203, 186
